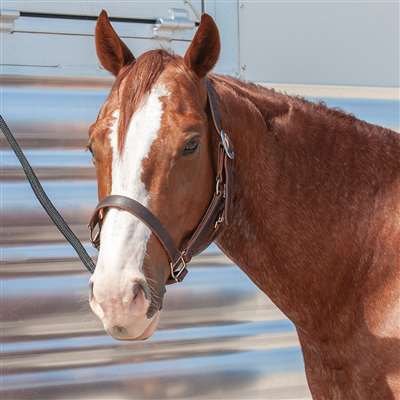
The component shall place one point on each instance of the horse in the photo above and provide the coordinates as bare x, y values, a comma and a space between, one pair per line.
314, 213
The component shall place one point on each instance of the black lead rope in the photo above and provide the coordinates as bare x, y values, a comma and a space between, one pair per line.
41, 195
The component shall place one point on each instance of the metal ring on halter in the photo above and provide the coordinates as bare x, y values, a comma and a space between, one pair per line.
181, 260
219, 221
218, 186
227, 144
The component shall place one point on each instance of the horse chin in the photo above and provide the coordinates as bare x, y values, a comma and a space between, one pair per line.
133, 334
148, 332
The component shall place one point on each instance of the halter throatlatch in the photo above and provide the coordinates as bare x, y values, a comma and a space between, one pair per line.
215, 217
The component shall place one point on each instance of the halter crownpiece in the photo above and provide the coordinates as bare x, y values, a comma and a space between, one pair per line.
216, 215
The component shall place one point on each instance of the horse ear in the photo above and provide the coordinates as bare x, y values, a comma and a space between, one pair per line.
112, 52
203, 52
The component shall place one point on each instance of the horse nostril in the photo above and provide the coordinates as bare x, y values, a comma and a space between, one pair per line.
138, 287
118, 331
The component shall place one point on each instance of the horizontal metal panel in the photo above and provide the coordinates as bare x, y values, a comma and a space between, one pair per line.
83, 27
320, 42
61, 46
65, 54
115, 8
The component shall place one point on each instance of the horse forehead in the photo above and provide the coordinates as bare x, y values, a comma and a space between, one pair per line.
142, 131
145, 121
184, 109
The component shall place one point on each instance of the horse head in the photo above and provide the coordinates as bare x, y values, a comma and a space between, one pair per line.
151, 142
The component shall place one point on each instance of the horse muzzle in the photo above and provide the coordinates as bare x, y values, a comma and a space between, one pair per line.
124, 314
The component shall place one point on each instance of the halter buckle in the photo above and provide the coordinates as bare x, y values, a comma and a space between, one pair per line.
219, 221
176, 273
226, 144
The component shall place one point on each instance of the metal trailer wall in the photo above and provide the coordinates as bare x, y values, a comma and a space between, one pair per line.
219, 337
317, 42
320, 42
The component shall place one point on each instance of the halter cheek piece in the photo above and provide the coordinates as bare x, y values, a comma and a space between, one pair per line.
216, 215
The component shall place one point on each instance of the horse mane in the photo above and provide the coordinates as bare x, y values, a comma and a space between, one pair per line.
272, 104
135, 81
276, 107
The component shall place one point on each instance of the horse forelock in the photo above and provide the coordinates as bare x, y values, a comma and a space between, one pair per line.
135, 82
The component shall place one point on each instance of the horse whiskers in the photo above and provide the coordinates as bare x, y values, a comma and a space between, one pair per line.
152, 280
155, 295
157, 291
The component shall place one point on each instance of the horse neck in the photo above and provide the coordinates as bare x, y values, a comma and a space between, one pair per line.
311, 232
244, 241
299, 201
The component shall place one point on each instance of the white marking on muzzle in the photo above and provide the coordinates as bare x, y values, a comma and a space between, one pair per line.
123, 237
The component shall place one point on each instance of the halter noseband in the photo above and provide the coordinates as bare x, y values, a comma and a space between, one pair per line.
210, 225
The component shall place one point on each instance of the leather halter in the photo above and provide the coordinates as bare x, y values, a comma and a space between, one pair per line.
216, 215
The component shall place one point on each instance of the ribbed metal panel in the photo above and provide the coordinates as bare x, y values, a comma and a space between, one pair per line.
219, 337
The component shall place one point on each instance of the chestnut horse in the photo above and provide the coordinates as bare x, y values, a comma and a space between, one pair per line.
315, 213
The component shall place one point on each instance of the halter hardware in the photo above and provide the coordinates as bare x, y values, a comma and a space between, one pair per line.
227, 144
176, 273
218, 186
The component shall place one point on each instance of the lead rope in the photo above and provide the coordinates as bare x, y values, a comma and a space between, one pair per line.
46, 203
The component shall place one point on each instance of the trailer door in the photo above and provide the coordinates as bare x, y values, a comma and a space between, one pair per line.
56, 37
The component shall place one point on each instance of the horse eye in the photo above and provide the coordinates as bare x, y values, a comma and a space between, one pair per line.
191, 146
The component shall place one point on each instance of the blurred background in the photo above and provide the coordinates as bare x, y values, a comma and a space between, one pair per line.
219, 337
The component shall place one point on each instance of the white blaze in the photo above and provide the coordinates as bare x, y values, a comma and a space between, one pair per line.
123, 237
